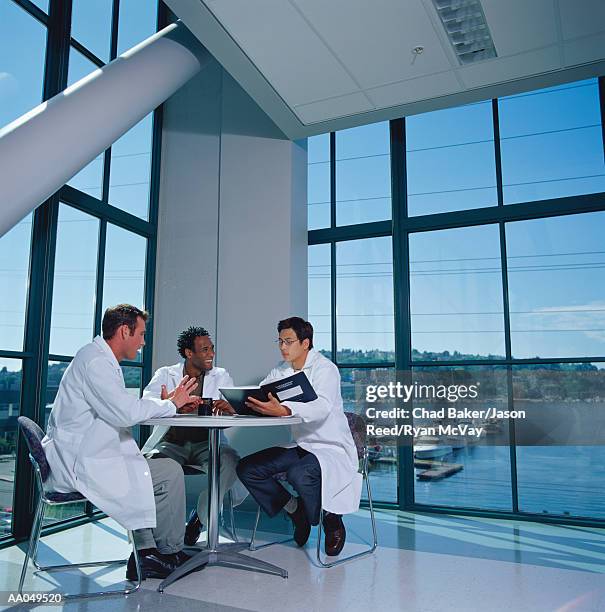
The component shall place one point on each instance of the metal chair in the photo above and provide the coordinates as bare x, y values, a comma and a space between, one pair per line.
33, 437
358, 431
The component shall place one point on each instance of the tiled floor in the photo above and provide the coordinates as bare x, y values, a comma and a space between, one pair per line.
423, 563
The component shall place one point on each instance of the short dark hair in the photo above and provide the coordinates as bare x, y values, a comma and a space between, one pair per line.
122, 314
187, 338
303, 329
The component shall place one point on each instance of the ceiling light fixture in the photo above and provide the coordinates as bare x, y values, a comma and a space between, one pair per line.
467, 29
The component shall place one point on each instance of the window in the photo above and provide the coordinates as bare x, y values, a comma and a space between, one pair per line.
364, 299
456, 294
551, 143
450, 160
14, 269
22, 55
363, 174
320, 297
318, 181
10, 408
91, 25
74, 287
556, 285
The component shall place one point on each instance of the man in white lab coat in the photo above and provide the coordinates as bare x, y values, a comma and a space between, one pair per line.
322, 465
189, 445
90, 448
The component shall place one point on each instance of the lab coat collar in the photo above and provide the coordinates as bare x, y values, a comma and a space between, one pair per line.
312, 355
100, 342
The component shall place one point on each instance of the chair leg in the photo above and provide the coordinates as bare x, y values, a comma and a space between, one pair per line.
39, 525
33, 543
363, 553
252, 545
232, 518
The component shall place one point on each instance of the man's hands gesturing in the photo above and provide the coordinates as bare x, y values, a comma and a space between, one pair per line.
181, 396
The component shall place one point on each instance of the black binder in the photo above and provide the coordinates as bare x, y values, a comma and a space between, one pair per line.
295, 388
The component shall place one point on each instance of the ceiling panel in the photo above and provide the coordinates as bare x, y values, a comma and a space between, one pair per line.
520, 25
582, 50
283, 47
582, 18
335, 107
422, 88
375, 39
503, 69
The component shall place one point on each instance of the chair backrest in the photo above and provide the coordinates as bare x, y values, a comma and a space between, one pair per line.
357, 425
33, 436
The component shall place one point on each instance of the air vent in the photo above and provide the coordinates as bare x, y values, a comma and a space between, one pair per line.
467, 29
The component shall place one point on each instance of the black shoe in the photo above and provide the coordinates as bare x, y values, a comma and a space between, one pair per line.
336, 534
153, 565
193, 529
302, 528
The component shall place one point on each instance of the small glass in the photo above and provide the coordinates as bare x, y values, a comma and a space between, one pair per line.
205, 408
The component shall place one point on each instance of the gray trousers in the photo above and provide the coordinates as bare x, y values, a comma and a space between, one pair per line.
196, 453
169, 493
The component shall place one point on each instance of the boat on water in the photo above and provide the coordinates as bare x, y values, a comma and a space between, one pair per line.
431, 451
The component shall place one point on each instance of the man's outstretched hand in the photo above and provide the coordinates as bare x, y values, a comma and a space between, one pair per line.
181, 396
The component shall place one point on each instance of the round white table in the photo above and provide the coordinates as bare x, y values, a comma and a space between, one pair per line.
227, 555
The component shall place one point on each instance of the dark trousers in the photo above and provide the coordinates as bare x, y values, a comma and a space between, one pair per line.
302, 470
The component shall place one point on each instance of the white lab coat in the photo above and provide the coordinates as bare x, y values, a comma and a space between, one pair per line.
325, 433
89, 445
171, 376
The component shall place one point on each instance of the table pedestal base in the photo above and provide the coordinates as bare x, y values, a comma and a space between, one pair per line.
227, 555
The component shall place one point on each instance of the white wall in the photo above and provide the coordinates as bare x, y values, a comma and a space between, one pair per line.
232, 237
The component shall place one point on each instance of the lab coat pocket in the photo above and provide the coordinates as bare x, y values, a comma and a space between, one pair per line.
106, 476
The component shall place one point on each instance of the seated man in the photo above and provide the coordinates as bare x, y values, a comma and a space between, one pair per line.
90, 448
322, 465
189, 445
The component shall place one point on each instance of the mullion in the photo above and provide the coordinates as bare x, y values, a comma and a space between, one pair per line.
33, 10
86, 53
497, 151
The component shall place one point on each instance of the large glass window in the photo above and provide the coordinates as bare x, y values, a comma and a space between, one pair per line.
450, 160
363, 174
22, 55
138, 19
320, 297
556, 279
551, 143
10, 403
124, 268
364, 301
318, 181
456, 294
561, 476
131, 169
487, 295
14, 268
74, 287
91, 25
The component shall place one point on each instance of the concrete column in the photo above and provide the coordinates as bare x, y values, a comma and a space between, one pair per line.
44, 148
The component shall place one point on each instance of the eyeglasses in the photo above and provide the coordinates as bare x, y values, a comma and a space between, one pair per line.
287, 342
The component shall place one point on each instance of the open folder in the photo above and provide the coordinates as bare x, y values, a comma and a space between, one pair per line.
295, 388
